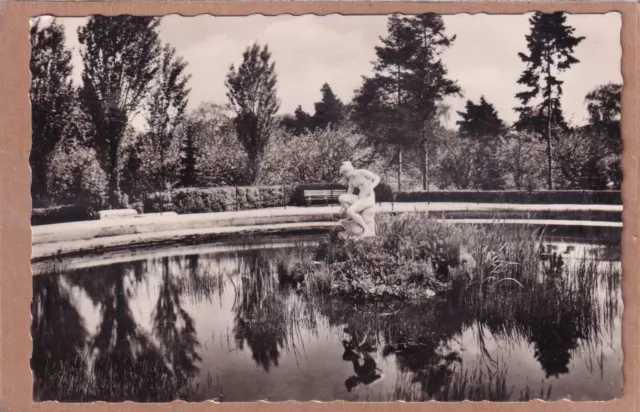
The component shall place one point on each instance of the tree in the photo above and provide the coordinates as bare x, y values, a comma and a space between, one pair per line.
585, 161
120, 56
329, 111
521, 155
74, 176
551, 45
603, 104
188, 156
469, 164
52, 100
301, 122
315, 157
252, 95
399, 105
222, 160
379, 105
427, 80
480, 121
166, 109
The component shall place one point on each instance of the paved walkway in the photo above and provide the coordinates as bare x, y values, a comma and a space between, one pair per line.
50, 240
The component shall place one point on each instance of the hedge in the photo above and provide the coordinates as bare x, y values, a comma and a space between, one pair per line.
62, 214
215, 199
610, 197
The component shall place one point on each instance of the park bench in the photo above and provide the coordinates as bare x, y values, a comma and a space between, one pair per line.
327, 196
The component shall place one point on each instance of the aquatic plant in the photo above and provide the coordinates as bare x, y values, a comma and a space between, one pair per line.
415, 257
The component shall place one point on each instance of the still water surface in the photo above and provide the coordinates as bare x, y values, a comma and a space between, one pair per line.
218, 325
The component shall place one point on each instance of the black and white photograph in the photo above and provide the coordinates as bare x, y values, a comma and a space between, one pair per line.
366, 208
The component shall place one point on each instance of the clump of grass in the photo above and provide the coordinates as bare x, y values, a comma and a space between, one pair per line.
414, 257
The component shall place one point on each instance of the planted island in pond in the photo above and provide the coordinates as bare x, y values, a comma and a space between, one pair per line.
414, 257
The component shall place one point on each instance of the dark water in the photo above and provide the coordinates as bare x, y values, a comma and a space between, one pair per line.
209, 324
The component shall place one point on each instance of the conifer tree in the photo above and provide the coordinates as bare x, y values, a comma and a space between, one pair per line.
551, 44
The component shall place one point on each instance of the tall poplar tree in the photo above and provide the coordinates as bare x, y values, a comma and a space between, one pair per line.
252, 95
551, 44
120, 56
166, 110
52, 99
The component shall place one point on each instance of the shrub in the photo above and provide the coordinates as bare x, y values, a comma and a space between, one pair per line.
216, 199
384, 193
505, 196
75, 178
62, 214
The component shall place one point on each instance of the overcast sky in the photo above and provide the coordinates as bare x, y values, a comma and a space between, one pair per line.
311, 50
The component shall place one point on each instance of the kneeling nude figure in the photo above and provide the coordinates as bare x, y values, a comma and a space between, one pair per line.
354, 205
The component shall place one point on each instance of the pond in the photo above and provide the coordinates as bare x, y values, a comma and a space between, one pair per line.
208, 322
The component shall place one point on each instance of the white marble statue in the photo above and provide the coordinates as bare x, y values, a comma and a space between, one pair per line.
360, 208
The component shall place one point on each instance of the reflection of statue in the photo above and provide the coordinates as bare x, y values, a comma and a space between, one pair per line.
364, 366
359, 208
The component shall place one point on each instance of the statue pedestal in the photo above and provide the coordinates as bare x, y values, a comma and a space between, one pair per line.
354, 229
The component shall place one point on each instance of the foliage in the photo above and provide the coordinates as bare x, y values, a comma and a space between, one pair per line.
411, 257
188, 157
480, 121
522, 154
216, 199
398, 105
139, 170
252, 95
603, 104
75, 177
62, 214
577, 197
120, 63
313, 157
300, 123
166, 110
329, 111
586, 161
469, 164
221, 160
52, 101
551, 45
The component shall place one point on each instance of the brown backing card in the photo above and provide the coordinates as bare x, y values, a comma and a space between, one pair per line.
15, 200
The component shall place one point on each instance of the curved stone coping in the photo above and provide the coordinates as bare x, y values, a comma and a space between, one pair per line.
87, 230
146, 251
128, 241
44, 251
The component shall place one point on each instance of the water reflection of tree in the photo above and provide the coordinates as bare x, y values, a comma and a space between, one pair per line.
59, 341
554, 341
558, 314
269, 317
174, 328
260, 312
127, 366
